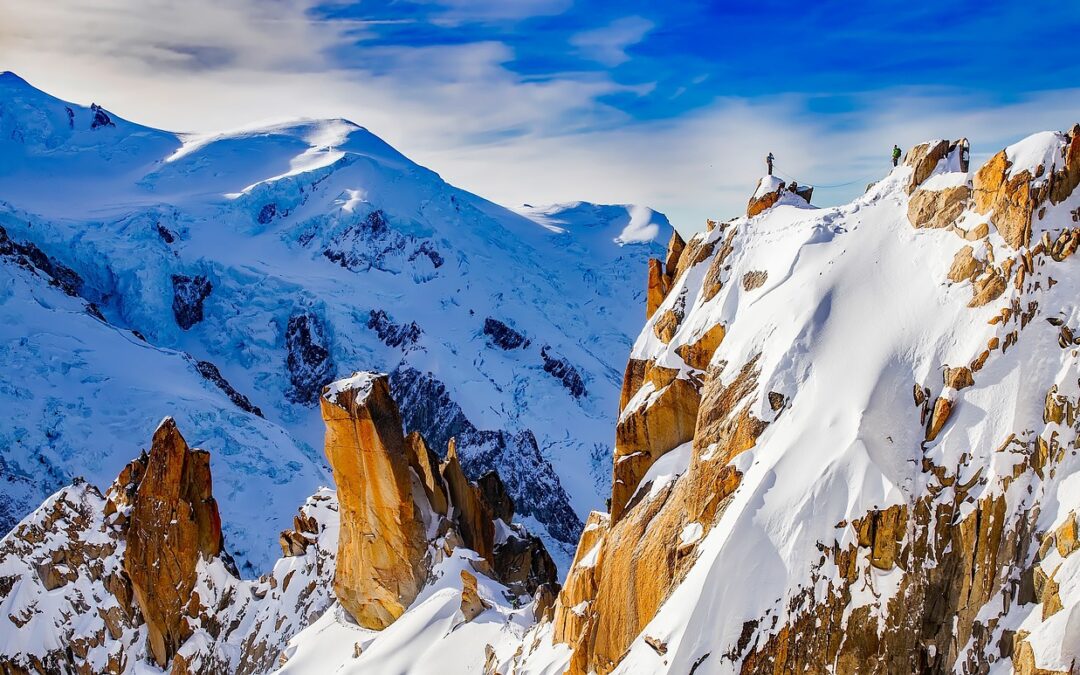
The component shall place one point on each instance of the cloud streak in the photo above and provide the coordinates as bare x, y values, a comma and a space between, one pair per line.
543, 103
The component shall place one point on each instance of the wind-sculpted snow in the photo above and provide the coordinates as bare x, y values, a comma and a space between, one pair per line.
285, 257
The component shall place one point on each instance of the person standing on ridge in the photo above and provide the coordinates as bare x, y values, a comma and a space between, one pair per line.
768, 162
895, 154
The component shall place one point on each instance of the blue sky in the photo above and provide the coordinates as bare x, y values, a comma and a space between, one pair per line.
669, 104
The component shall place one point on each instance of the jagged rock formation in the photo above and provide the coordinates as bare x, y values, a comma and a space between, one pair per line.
144, 570
384, 553
382, 550
811, 522
172, 523
771, 190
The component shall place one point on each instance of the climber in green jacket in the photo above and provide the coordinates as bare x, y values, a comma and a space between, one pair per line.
895, 154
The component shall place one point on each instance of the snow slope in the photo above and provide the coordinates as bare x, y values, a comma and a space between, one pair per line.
833, 316
286, 257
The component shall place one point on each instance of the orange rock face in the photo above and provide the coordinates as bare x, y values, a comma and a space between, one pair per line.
174, 521
758, 204
659, 285
923, 158
382, 551
472, 515
648, 432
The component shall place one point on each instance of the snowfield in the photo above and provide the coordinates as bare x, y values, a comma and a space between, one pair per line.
231, 276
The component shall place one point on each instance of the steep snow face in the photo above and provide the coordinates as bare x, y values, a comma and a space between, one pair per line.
280, 258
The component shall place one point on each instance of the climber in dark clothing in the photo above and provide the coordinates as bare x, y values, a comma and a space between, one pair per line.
895, 154
768, 162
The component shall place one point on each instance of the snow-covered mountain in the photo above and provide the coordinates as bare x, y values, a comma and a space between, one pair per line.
222, 280
846, 443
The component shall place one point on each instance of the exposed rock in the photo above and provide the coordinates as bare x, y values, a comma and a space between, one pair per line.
308, 357
189, 293
404, 336
938, 208
503, 336
472, 605
212, 374
698, 354
101, 118
958, 378
523, 564
659, 285
649, 431
528, 476
426, 465
988, 287
765, 196
666, 326
1010, 199
30, 257
472, 515
1065, 537
494, 493
564, 371
754, 279
964, 266
923, 159
675, 249
544, 602
942, 409
382, 553
174, 522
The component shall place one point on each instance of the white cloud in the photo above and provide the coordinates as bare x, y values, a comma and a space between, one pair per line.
608, 45
211, 65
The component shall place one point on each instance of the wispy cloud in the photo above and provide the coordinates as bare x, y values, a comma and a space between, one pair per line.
552, 101
608, 44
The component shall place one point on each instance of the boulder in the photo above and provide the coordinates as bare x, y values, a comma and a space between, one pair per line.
472, 605
937, 209
382, 549
964, 266
923, 159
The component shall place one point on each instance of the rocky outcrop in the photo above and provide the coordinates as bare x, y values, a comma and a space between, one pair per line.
923, 159
662, 274
659, 284
1016, 196
376, 468
660, 422
211, 373
173, 524
146, 570
189, 294
770, 190
472, 605
938, 208
564, 371
503, 336
530, 480
307, 357
392, 334
382, 553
